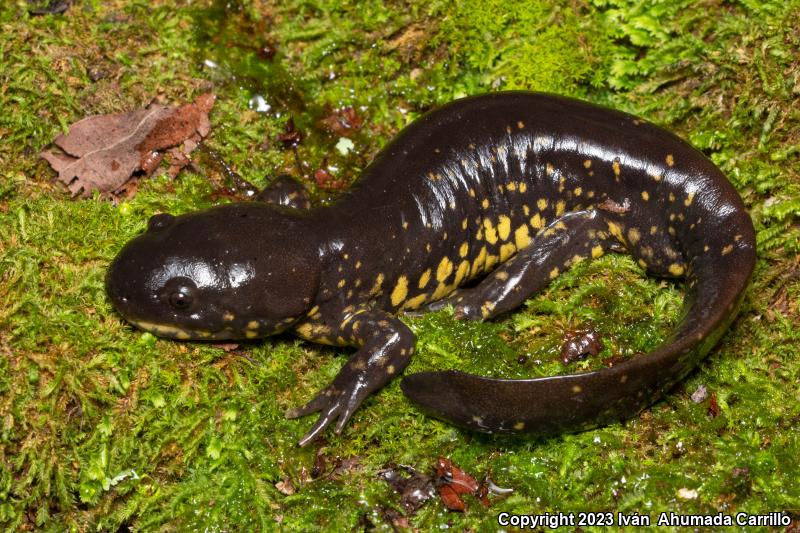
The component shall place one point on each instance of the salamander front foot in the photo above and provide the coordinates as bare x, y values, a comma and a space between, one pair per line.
334, 405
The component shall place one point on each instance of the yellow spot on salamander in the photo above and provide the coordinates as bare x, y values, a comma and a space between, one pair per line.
616, 231
560, 206
491, 261
675, 269
519, 426
642, 263
578, 191
358, 265
444, 269
304, 330
441, 290
472, 193
400, 291
523, 186
526, 210
253, 324
541, 203
390, 369
491, 232
634, 235
341, 283
182, 335
228, 316
645, 196
506, 251
577, 389
250, 334
480, 260
670, 160
615, 167
549, 169
597, 251
485, 203
689, 199
405, 224
521, 237
415, 302
520, 124
461, 272
653, 230
502, 275
671, 197
728, 249
424, 279
486, 309
554, 273
503, 227
511, 186
537, 222
587, 163
376, 288
464, 224
463, 250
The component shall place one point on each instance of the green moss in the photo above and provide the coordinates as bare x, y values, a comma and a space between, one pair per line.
103, 426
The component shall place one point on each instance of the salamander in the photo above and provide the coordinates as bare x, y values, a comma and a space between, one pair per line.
478, 204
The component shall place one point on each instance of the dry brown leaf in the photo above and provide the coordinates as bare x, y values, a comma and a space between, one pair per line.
103, 152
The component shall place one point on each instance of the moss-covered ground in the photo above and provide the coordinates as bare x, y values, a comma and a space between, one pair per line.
103, 427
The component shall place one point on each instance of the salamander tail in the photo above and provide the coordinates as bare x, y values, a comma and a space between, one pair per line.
715, 283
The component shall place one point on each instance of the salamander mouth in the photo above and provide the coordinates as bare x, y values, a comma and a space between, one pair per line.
177, 332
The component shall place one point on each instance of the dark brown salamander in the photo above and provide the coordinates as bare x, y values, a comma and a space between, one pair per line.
507, 188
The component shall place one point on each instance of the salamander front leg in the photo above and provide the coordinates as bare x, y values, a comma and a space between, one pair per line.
572, 238
385, 348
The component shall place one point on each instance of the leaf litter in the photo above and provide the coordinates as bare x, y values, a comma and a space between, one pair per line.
109, 153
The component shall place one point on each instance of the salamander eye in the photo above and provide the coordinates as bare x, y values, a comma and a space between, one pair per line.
179, 293
180, 300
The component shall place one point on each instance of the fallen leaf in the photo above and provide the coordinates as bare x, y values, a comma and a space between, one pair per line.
700, 394
285, 487
413, 487
104, 152
291, 136
452, 482
713, 406
342, 121
579, 345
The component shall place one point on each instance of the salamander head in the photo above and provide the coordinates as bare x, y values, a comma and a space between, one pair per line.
231, 272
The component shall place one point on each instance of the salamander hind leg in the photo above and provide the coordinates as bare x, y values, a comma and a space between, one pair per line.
385, 348
570, 239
